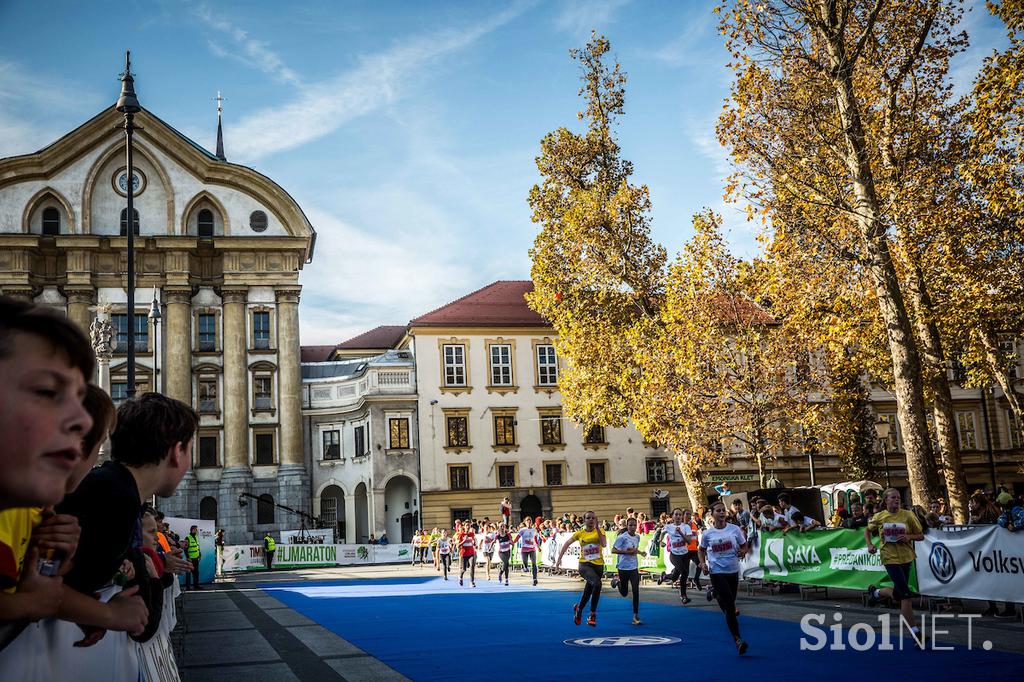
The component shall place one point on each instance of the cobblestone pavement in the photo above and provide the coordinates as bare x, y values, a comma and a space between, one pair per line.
233, 630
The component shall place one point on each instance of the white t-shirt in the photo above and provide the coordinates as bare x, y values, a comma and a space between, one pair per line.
721, 545
529, 538
443, 546
789, 515
627, 562
678, 536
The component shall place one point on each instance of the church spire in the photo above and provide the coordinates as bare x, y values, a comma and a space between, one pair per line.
220, 131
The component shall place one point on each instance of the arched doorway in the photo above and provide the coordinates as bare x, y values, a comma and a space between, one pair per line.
399, 505
332, 511
362, 513
530, 506
208, 509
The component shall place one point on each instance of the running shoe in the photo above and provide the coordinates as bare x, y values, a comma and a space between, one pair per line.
615, 583
661, 578
535, 582
872, 599
685, 600
592, 621
636, 621
506, 583
711, 593
460, 582
576, 617
473, 584
741, 647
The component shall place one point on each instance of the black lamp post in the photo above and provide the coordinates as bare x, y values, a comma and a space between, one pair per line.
811, 449
128, 104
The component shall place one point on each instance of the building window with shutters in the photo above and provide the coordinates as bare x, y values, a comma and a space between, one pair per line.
454, 371
398, 433
966, 429
208, 456
264, 448
547, 365
660, 471
506, 475
332, 444
458, 477
359, 436
553, 473
504, 430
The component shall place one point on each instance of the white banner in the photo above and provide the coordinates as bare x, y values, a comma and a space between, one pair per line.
314, 536
983, 562
251, 557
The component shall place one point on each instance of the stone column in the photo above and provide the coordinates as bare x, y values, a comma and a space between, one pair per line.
178, 348
79, 302
350, 519
236, 476
292, 477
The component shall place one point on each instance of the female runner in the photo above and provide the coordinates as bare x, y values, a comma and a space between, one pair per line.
466, 540
504, 540
592, 543
444, 552
627, 546
720, 549
531, 541
678, 536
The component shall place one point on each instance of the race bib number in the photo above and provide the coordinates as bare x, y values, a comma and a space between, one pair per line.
504, 546
723, 547
892, 532
591, 552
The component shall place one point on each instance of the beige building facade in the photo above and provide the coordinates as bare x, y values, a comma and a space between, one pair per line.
220, 248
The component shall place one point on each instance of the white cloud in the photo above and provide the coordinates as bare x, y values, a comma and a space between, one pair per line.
377, 81
23, 95
359, 280
690, 47
246, 49
580, 18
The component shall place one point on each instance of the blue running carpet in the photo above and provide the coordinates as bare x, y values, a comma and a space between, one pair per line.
429, 629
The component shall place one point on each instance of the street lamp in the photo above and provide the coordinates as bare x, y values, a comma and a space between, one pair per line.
882, 432
154, 318
811, 449
128, 104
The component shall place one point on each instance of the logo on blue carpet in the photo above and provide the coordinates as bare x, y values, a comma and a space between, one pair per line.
631, 640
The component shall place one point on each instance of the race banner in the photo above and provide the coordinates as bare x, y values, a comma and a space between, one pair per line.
827, 558
252, 558
983, 562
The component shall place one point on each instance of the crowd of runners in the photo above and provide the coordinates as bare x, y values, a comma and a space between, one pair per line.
711, 541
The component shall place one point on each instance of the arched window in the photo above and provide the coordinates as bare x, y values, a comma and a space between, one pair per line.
51, 221
204, 223
265, 509
208, 509
124, 221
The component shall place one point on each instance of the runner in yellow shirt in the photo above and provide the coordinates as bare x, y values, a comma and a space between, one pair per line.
592, 543
897, 529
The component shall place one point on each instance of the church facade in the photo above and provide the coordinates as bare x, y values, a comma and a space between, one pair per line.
219, 247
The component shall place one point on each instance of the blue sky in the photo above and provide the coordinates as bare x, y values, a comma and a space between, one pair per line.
406, 130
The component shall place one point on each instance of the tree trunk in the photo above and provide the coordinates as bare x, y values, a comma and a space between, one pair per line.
995, 362
942, 410
692, 480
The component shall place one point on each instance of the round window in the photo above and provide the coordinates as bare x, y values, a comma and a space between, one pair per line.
258, 221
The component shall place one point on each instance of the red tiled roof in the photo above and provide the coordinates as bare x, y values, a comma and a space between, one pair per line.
315, 353
384, 336
500, 304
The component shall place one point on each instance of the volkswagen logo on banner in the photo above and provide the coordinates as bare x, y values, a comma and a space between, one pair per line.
941, 562
629, 640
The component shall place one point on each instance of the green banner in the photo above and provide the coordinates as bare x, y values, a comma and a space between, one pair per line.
827, 558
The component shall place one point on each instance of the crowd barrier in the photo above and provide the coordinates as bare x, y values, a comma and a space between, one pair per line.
980, 562
252, 557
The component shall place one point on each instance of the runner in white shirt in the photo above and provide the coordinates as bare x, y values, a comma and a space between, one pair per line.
504, 541
531, 543
488, 547
444, 552
678, 535
720, 549
627, 546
